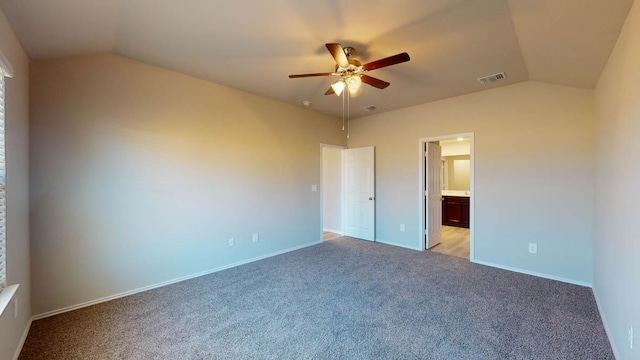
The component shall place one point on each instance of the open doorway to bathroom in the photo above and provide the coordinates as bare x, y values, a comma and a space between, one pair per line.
446, 178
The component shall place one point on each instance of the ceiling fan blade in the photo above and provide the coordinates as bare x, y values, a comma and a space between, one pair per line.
388, 61
338, 54
309, 75
330, 91
380, 84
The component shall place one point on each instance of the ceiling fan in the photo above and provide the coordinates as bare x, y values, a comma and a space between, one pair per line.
352, 72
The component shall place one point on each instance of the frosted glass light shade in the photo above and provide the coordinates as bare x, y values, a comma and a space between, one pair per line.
354, 82
338, 87
355, 92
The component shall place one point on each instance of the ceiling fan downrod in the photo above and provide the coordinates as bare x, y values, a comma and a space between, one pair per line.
349, 51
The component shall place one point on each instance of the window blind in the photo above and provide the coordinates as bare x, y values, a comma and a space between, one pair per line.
3, 207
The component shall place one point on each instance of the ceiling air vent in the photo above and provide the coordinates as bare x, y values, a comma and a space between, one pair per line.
369, 108
492, 78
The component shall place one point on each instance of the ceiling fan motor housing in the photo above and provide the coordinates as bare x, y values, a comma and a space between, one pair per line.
349, 51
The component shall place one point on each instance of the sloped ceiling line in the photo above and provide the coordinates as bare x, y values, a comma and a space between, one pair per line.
253, 45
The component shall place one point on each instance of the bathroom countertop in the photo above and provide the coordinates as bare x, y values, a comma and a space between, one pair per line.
462, 193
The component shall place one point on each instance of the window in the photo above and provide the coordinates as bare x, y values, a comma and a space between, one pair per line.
3, 236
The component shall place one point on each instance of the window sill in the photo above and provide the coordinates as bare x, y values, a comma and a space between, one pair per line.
6, 295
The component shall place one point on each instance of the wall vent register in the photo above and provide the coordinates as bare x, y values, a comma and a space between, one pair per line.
492, 78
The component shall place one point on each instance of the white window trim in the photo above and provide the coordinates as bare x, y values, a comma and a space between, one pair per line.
5, 65
6, 295
3, 188
7, 292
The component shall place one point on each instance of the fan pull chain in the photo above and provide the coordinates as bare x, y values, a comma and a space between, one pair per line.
348, 114
342, 111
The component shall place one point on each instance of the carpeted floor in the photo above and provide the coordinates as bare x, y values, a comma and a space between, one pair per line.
343, 299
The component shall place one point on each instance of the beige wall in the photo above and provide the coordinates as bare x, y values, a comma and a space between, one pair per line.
617, 240
140, 175
534, 148
17, 157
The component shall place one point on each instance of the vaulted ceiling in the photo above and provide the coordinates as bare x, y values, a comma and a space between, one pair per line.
252, 45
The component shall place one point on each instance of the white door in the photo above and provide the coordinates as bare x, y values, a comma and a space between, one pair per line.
359, 193
433, 194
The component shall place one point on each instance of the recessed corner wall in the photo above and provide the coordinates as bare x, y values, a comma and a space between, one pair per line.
140, 175
617, 235
534, 171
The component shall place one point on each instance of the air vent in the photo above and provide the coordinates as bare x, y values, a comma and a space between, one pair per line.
369, 108
492, 78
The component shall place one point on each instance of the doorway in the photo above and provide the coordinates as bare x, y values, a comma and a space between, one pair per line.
446, 200
347, 192
331, 191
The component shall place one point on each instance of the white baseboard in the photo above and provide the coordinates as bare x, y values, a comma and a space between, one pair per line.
168, 282
333, 231
397, 244
533, 273
25, 333
607, 329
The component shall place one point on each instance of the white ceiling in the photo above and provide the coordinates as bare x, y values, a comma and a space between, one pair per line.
252, 45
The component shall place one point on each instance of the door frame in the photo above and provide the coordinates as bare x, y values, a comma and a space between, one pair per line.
472, 200
321, 186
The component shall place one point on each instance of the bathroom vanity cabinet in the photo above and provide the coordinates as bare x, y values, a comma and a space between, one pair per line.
455, 211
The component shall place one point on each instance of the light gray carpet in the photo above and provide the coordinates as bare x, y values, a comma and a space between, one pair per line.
343, 299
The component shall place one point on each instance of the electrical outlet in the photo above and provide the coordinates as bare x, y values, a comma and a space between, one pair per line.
15, 308
533, 248
231, 242
314, 187
255, 237
401, 227
630, 337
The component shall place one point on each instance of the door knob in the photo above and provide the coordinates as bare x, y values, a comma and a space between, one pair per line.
370, 197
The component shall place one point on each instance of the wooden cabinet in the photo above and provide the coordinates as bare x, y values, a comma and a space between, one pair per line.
455, 211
